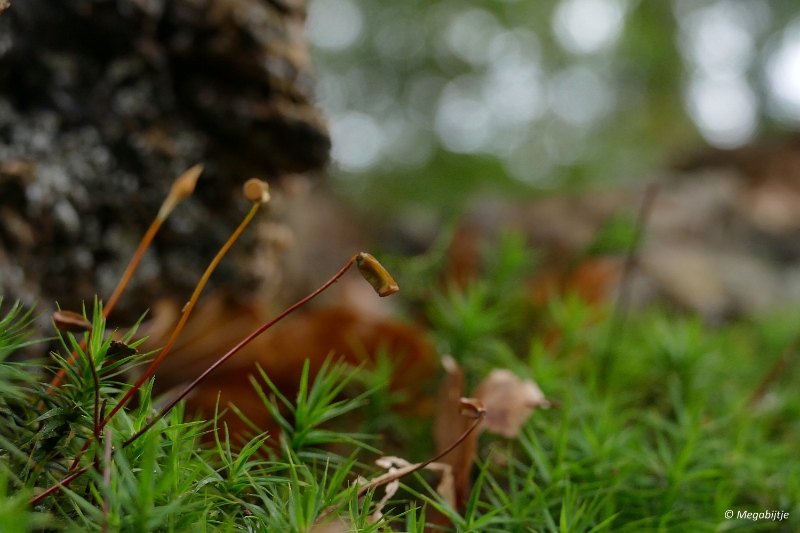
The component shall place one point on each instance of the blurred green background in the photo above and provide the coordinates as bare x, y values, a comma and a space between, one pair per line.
431, 102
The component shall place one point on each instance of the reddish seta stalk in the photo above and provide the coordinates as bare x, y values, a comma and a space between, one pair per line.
252, 187
181, 189
378, 277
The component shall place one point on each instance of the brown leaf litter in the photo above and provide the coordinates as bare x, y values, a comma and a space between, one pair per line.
508, 402
221, 321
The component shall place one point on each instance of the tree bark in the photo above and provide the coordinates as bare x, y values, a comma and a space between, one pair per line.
103, 103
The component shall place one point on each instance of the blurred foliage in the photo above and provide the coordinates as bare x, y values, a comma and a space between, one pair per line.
653, 428
433, 101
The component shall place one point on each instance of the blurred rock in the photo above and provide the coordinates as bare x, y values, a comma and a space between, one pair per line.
722, 237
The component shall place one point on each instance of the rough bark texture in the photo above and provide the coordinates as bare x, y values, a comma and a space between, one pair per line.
103, 103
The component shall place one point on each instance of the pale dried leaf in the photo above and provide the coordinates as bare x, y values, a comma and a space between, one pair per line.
337, 525
389, 491
509, 402
390, 461
446, 487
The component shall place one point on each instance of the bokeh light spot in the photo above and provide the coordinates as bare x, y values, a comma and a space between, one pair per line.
724, 109
334, 24
463, 122
783, 75
579, 96
357, 141
588, 26
469, 34
718, 39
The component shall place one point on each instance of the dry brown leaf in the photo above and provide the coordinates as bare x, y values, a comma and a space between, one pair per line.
463, 255
220, 322
509, 402
449, 425
593, 280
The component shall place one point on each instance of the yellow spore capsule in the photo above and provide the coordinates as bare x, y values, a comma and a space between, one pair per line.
256, 190
181, 188
376, 275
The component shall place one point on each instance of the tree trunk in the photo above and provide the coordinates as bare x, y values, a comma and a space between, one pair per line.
103, 103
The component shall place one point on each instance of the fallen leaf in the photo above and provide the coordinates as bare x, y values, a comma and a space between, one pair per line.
119, 349
449, 425
445, 488
463, 255
389, 491
337, 525
405, 468
594, 280
509, 401
220, 322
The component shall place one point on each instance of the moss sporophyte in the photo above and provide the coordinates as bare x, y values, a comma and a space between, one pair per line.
255, 191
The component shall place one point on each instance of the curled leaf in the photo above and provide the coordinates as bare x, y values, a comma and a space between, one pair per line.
376, 275
119, 349
445, 488
389, 490
71, 322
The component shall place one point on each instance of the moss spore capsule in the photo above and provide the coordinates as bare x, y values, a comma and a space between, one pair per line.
256, 190
182, 188
376, 275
